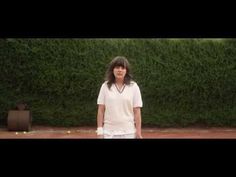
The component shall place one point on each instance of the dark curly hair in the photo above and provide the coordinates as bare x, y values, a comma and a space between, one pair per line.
118, 61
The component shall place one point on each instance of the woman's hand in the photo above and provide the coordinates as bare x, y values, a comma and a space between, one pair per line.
99, 132
139, 136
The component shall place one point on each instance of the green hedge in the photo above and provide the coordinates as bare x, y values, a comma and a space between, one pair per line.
183, 81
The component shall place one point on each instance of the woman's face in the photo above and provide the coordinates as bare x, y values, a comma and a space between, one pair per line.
119, 72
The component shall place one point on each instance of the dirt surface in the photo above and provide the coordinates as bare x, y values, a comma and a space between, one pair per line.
41, 132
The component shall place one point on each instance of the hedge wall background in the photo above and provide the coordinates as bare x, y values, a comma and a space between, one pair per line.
183, 81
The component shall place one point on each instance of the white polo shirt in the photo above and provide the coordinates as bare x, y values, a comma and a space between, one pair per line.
119, 115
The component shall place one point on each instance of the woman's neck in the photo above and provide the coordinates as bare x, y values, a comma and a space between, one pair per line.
119, 81
120, 85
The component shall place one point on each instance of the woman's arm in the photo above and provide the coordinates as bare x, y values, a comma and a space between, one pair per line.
100, 115
138, 122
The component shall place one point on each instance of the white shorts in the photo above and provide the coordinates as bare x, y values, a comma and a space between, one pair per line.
125, 136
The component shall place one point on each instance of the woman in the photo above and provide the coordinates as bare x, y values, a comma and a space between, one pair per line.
119, 103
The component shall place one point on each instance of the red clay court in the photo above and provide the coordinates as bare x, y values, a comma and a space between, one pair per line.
42, 132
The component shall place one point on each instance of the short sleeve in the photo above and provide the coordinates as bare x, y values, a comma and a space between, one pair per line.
101, 96
137, 100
